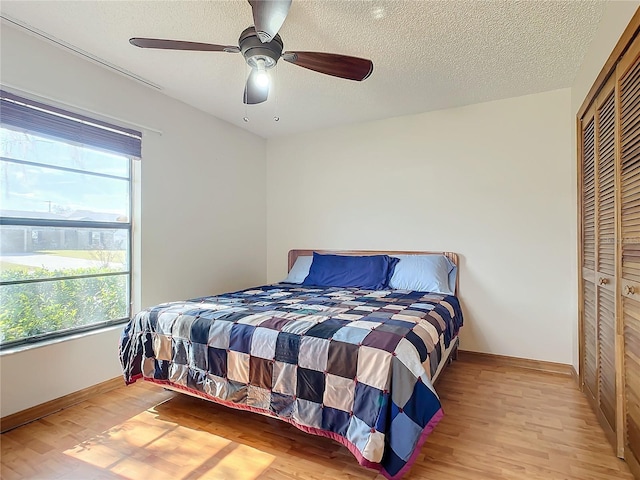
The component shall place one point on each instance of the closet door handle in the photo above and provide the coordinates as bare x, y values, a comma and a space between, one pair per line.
629, 290
603, 281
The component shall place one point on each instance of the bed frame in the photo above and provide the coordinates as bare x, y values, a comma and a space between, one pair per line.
451, 353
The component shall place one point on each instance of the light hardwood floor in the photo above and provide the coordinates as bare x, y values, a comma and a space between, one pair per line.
501, 422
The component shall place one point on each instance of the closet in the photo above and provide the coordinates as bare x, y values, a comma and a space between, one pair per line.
609, 249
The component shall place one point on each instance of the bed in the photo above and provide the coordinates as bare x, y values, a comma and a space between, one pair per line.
353, 364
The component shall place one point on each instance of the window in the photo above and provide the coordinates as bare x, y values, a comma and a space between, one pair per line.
65, 221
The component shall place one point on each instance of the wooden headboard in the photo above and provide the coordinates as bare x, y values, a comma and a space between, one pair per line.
294, 254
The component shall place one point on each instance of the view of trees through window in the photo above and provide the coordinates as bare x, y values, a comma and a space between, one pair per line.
65, 225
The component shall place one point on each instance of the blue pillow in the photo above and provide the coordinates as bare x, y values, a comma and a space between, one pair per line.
300, 269
424, 273
371, 272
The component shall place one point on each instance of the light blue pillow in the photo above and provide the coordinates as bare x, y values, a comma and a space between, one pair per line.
424, 273
452, 278
300, 270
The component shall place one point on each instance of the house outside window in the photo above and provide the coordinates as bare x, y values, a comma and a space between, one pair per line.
65, 221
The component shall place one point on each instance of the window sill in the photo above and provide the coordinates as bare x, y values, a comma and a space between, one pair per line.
52, 341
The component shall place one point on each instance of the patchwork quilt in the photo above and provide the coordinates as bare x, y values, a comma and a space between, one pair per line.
349, 364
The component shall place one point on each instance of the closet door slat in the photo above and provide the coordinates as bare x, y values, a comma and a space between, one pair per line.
628, 73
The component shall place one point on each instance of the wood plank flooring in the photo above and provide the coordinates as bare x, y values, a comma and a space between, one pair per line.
501, 422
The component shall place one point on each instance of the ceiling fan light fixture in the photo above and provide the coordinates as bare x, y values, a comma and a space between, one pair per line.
262, 78
253, 49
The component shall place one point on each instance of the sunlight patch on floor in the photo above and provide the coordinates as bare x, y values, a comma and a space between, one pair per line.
145, 446
252, 461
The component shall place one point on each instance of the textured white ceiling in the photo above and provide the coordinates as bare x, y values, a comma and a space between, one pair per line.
427, 55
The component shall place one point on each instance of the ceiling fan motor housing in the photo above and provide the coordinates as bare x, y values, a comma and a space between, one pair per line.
253, 49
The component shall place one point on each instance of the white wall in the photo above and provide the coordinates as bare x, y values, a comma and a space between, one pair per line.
202, 216
615, 19
489, 181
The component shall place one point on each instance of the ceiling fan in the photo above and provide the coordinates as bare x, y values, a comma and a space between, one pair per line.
262, 47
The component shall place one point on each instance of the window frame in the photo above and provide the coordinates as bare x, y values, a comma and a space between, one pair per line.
132, 154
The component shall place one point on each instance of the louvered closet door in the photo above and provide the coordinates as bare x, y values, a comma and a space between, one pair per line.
606, 253
628, 74
589, 346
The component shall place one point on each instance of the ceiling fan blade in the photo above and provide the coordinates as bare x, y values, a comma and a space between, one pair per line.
180, 45
254, 92
343, 66
268, 17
